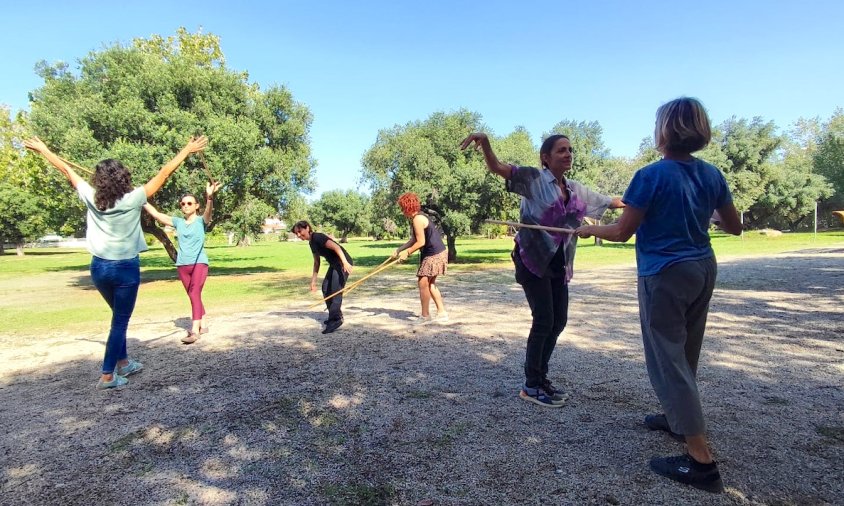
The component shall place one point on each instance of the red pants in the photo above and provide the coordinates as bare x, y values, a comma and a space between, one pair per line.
193, 277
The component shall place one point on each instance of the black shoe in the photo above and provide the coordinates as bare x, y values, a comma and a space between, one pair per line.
659, 422
332, 325
688, 471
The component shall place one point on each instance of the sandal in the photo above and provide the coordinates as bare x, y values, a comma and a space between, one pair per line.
190, 338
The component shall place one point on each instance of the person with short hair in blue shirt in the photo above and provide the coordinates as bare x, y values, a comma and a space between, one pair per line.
669, 206
114, 239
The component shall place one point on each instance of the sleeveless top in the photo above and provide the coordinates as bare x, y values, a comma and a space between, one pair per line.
433, 239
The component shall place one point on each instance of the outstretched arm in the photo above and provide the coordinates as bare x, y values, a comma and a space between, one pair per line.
481, 141
37, 145
619, 231
157, 215
210, 190
157, 181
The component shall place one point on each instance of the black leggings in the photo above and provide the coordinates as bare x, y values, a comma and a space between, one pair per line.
548, 298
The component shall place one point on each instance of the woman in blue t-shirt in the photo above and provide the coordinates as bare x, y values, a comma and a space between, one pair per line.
669, 206
114, 239
191, 261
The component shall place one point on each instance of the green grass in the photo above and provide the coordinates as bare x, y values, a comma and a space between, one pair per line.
49, 289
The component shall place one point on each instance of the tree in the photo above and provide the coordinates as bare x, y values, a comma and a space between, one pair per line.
21, 217
424, 157
829, 158
748, 148
246, 220
139, 103
347, 211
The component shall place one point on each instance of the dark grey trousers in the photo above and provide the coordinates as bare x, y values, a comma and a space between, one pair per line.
673, 306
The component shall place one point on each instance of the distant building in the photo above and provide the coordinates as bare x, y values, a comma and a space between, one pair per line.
273, 226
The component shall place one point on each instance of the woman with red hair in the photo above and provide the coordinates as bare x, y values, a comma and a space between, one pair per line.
433, 257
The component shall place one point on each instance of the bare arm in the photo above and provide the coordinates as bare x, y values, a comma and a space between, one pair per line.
728, 219
617, 203
157, 215
482, 142
210, 190
158, 180
37, 145
333, 246
315, 272
619, 231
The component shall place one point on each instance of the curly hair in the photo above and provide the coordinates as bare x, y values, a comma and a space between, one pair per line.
111, 182
409, 204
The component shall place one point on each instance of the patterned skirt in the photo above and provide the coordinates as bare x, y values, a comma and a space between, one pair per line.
433, 265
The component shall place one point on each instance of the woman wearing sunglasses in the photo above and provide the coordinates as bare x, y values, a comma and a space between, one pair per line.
191, 261
114, 239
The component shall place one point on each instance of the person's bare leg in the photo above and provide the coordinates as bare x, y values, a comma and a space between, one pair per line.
699, 448
424, 295
436, 295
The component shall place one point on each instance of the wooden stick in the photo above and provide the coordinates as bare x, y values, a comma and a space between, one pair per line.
205, 166
384, 265
535, 227
77, 166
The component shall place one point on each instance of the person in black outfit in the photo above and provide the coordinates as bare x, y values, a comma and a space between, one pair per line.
339, 268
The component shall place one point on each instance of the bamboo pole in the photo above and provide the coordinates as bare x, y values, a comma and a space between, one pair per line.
205, 166
535, 227
384, 265
77, 166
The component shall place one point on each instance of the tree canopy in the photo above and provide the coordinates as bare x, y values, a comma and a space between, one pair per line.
140, 103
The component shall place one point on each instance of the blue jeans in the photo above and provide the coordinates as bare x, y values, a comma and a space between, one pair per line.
118, 282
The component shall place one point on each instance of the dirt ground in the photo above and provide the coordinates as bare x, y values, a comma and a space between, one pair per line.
267, 410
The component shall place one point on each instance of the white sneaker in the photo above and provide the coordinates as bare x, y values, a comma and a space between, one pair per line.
442, 317
422, 320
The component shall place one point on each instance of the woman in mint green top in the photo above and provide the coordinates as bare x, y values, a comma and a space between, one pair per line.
114, 239
191, 260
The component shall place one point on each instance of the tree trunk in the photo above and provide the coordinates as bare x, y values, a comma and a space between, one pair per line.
343, 238
148, 226
452, 248
2, 248
19, 249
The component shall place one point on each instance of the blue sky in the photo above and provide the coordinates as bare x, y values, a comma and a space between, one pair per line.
364, 66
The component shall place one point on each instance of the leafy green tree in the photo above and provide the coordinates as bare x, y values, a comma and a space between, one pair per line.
139, 103
246, 220
749, 148
425, 157
829, 158
348, 211
21, 217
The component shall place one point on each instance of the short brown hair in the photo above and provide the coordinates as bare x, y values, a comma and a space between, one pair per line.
682, 126
300, 225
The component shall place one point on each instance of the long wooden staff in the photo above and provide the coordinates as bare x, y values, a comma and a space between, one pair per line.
205, 166
535, 227
77, 166
384, 265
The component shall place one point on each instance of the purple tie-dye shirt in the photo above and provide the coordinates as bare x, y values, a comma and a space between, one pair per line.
543, 204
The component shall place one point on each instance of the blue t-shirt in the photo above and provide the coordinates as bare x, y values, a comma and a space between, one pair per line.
191, 241
678, 199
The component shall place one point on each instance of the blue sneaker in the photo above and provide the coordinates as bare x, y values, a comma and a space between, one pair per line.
556, 394
131, 368
539, 396
117, 381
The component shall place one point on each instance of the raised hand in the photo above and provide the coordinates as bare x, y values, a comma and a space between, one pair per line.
197, 144
36, 144
478, 138
212, 188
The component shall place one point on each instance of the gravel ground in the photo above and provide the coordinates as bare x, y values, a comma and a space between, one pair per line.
266, 410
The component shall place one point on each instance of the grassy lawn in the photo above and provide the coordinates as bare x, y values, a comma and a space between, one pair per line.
49, 289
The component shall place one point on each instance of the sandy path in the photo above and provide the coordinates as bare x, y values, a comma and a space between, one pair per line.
266, 410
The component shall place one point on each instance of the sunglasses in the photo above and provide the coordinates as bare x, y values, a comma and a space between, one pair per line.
185, 204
